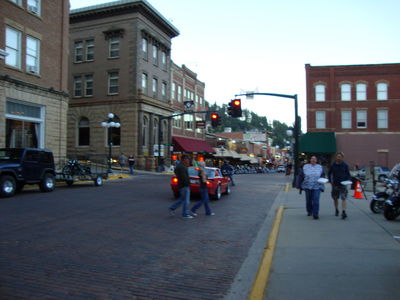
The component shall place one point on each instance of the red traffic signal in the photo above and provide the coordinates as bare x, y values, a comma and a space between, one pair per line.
215, 120
235, 108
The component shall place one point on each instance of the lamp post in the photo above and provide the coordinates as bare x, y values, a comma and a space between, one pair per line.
110, 124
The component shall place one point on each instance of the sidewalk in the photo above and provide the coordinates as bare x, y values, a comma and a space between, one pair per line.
331, 258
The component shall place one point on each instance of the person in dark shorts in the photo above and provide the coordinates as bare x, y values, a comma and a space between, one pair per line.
338, 172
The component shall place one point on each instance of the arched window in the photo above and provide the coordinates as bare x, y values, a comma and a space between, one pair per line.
361, 91
145, 131
320, 92
116, 133
382, 91
345, 90
165, 132
84, 132
155, 132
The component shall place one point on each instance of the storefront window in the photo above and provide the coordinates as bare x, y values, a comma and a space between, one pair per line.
20, 134
24, 125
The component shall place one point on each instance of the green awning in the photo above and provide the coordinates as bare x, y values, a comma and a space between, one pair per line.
318, 142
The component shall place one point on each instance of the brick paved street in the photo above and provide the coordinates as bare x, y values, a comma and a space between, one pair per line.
119, 242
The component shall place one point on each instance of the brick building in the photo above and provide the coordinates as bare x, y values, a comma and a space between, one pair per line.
359, 105
120, 63
187, 95
34, 74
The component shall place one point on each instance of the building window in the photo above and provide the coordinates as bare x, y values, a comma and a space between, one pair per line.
345, 90
382, 91
382, 117
77, 86
361, 92
78, 49
361, 119
24, 125
188, 119
89, 50
155, 55
320, 122
164, 129
113, 83
32, 55
13, 47
84, 132
144, 83
164, 58
145, 131
173, 91
155, 131
346, 119
177, 122
114, 45
164, 90
89, 85
320, 92
34, 7
155, 86
145, 48
18, 2
179, 93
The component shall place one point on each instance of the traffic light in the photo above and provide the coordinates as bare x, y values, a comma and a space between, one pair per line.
235, 108
215, 120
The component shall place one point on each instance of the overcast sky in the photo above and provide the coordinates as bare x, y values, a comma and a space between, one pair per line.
236, 46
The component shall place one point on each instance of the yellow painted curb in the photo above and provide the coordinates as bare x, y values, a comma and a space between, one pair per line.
260, 283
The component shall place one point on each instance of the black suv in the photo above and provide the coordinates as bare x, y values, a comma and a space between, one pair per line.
20, 166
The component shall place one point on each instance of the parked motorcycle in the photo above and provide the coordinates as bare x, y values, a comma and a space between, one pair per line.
392, 208
377, 203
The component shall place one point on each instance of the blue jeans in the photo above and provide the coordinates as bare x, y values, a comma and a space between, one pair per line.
131, 168
204, 200
312, 201
183, 198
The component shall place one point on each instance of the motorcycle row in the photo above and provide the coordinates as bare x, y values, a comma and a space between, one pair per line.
387, 200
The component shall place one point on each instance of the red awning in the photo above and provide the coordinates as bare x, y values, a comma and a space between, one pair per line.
191, 145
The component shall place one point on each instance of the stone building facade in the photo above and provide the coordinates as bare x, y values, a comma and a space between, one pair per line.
120, 62
360, 104
33, 74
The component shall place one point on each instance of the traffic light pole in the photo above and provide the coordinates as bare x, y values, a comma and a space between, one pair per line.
160, 119
296, 128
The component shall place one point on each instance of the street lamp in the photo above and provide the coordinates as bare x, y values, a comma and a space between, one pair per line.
110, 124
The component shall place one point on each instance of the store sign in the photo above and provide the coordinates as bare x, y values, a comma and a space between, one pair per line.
200, 124
254, 137
155, 147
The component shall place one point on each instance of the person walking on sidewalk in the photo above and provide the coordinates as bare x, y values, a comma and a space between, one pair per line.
203, 191
338, 172
182, 173
131, 162
312, 172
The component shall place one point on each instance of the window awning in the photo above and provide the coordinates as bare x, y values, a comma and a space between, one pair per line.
318, 142
191, 145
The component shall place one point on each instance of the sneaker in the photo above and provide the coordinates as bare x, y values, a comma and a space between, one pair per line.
211, 214
187, 217
316, 217
193, 214
337, 212
344, 215
309, 214
171, 211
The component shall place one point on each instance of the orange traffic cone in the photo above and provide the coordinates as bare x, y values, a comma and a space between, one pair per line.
358, 191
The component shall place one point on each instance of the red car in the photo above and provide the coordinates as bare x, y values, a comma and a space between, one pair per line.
216, 183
